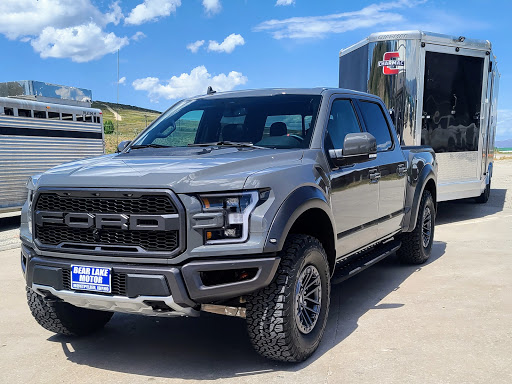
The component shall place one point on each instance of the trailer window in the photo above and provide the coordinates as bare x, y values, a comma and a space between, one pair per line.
452, 102
40, 114
9, 111
24, 113
67, 116
54, 115
79, 118
376, 124
88, 119
97, 119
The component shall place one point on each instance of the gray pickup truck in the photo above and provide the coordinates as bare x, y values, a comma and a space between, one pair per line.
247, 203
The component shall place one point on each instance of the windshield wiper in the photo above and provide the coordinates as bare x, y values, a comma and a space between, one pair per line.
150, 146
227, 144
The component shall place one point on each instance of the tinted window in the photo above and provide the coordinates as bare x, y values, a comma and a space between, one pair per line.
24, 113
239, 119
54, 115
67, 116
9, 111
342, 120
376, 124
40, 114
452, 102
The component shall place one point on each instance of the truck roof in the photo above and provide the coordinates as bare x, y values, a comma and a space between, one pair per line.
281, 91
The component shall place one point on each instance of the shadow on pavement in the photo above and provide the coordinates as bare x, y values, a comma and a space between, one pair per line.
8, 223
466, 209
214, 347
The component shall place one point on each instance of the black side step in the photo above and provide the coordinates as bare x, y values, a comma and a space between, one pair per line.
353, 267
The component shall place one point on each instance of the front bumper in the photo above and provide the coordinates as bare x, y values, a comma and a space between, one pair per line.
149, 290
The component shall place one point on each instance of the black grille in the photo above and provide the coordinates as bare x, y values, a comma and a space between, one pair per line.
139, 205
118, 282
148, 240
107, 239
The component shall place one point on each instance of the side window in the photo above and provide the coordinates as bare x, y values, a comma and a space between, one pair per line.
54, 115
40, 114
24, 112
9, 111
67, 116
342, 121
376, 124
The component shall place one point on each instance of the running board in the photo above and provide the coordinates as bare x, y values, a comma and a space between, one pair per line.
353, 267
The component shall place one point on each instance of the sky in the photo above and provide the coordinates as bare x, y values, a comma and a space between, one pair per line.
172, 49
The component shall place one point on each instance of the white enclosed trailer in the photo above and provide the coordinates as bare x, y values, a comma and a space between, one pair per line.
442, 91
36, 136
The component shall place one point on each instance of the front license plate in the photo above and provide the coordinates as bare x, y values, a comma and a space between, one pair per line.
95, 279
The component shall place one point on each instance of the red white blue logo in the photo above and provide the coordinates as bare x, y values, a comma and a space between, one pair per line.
391, 63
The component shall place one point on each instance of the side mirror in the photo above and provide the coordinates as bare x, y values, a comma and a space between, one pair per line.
122, 145
357, 148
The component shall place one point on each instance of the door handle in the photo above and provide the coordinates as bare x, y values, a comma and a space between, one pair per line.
401, 170
374, 176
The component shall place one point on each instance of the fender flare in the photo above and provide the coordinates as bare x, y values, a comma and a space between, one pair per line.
427, 174
297, 202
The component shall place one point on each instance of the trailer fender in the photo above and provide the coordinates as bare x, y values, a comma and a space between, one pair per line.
413, 196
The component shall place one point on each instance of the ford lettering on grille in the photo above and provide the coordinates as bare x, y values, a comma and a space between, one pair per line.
110, 220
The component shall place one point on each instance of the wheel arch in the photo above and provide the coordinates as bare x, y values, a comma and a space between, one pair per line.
305, 211
426, 182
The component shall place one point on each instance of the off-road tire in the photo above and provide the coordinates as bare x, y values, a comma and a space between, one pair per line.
484, 197
64, 318
270, 312
412, 250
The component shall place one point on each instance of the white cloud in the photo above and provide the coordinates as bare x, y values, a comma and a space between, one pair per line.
122, 80
62, 28
285, 2
188, 84
320, 26
194, 47
81, 43
212, 7
151, 10
228, 45
504, 126
28, 17
139, 35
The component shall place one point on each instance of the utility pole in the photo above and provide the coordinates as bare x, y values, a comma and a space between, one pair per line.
117, 117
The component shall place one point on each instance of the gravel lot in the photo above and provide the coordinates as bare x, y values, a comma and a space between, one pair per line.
448, 321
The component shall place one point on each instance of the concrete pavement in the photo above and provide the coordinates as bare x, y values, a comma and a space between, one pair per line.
447, 321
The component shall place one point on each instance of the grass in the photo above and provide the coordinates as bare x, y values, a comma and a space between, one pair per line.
134, 122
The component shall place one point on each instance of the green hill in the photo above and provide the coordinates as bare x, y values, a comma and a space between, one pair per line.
132, 121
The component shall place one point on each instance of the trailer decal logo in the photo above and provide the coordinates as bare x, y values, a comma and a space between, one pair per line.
390, 62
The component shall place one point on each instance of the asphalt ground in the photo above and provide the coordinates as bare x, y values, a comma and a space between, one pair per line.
447, 321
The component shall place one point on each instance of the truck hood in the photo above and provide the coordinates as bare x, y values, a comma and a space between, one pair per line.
183, 170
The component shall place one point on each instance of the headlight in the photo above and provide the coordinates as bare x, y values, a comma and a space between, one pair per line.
236, 209
31, 188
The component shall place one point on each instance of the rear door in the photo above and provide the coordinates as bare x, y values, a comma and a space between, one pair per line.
454, 87
354, 192
391, 165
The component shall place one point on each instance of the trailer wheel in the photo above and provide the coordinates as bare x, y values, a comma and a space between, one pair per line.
64, 318
417, 245
484, 197
287, 319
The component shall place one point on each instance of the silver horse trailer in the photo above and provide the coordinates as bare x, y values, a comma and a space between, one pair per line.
442, 91
35, 136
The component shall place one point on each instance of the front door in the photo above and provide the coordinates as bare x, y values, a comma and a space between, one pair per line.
354, 192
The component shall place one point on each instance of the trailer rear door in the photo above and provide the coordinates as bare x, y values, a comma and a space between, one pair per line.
452, 109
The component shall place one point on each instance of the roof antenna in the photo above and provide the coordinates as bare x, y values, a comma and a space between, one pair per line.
210, 90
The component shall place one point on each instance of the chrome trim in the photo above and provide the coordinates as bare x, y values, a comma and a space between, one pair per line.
117, 303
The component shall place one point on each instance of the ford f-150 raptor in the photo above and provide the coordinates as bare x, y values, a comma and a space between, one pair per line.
248, 203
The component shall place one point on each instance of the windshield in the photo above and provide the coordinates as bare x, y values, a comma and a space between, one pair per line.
280, 121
